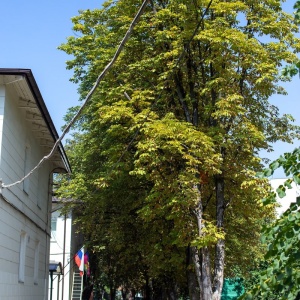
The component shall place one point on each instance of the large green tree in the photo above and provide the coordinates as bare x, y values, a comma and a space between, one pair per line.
170, 139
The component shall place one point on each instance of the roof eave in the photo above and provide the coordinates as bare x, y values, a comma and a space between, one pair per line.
41, 105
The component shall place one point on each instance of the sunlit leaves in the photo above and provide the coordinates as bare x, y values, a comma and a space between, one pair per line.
293, 68
180, 110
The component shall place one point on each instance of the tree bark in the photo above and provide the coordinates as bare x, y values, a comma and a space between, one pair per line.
147, 289
181, 97
219, 270
220, 247
193, 251
202, 263
124, 293
193, 283
172, 292
206, 290
112, 293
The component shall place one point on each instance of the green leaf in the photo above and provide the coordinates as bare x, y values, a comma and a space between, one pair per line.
268, 172
281, 191
297, 178
274, 165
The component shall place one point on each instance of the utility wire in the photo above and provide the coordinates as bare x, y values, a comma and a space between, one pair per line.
160, 94
89, 95
100, 77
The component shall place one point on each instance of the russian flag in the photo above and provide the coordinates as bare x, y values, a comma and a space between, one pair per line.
79, 260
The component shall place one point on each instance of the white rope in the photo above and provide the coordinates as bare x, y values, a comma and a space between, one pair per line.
89, 95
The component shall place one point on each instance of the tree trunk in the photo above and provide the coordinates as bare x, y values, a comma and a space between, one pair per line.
193, 281
172, 293
194, 254
147, 289
157, 290
124, 293
132, 294
112, 293
220, 247
206, 290
219, 270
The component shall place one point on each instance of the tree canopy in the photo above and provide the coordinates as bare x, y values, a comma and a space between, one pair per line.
167, 150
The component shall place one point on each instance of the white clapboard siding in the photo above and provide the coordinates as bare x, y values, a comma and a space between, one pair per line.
20, 211
26, 133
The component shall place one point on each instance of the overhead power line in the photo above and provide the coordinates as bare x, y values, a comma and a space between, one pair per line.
89, 95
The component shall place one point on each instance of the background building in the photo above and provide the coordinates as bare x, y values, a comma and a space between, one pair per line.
291, 194
60, 251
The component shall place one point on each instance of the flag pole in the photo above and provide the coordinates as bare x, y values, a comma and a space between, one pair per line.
83, 272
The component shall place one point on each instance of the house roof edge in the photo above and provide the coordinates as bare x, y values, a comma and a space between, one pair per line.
42, 106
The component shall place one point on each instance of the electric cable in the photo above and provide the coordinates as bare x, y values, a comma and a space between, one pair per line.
100, 77
87, 98
160, 94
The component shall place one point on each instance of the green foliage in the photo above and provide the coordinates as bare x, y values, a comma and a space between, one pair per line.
168, 144
290, 164
293, 68
280, 278
297, 11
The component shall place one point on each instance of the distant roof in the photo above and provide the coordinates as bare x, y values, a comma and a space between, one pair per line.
14, 76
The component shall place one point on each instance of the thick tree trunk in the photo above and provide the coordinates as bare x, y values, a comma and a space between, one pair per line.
202, 263
147, 290
172, 292
112, 293
220, 247
193, 278
219, 270
157, 291
194, 253
124, 293
206, 290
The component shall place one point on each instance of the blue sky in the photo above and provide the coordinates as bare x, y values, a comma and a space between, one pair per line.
32, 30
30, 33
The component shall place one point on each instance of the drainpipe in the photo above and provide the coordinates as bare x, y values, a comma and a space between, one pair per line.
51, 284
58, 286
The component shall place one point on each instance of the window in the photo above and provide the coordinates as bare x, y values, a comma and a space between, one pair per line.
53, 228
36, 262
23, 244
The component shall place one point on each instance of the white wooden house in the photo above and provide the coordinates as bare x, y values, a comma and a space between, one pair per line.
291, 194
27, 134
